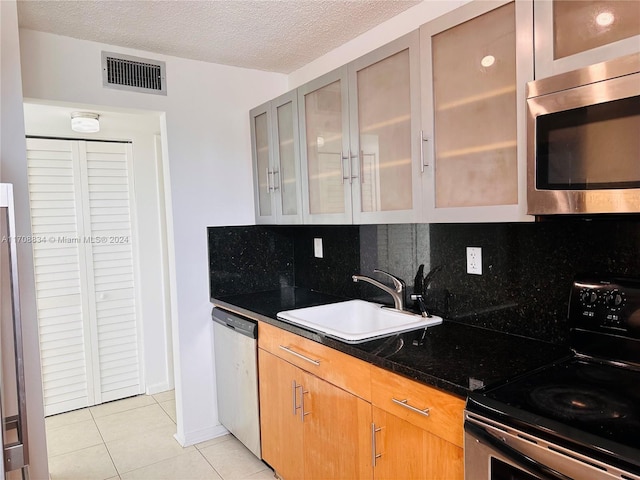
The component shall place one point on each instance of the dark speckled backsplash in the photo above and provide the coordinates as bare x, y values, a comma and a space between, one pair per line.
527, 267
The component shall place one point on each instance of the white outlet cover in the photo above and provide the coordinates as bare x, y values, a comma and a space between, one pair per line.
474, 260
317, 248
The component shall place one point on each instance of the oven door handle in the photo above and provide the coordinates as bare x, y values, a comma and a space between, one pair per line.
523, 461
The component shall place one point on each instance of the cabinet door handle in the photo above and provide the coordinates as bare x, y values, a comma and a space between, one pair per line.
276, 186
405, 404
303, 392
357, 156
299, 355
422, 140
344, 157
374, 454
294, 400
268, 180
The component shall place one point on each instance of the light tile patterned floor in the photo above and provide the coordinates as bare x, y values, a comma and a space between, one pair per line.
132, 439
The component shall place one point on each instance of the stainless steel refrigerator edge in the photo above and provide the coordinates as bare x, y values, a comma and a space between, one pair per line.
13, 401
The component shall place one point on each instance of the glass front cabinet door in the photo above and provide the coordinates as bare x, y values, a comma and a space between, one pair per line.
475, 65
276, 161
360, 145
571, 34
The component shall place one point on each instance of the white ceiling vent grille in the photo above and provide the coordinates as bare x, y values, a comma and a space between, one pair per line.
125, 72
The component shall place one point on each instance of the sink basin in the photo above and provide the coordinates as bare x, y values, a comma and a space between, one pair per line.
356, 321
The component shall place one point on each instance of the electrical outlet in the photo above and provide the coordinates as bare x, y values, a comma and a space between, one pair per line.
474, 260
317, 248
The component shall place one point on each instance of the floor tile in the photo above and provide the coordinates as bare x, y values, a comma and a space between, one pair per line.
263, 475
149, 447
132, 423
165, 396
232, 460
72, 437
188, 466
117, 406
89, 463
214, 441
62, 419
170, 408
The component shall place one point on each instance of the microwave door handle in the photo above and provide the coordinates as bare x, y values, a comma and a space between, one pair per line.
523, 461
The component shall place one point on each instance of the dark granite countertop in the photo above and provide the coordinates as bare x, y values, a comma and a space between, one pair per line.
454, 357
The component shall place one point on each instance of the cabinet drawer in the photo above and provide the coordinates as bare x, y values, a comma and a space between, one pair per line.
337, 368
409, 400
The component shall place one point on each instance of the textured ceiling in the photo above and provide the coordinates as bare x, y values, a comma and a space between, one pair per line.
273, 35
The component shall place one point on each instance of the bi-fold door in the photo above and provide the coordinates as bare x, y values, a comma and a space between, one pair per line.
82, 227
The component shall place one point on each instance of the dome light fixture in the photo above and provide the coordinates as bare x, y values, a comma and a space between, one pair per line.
85, 122
605, 19
487, 61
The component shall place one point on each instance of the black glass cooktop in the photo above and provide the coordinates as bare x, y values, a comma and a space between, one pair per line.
601, 399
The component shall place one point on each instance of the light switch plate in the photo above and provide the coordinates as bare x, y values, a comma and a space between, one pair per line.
317, 248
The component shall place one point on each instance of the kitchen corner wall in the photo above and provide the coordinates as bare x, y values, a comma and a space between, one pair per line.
527, 267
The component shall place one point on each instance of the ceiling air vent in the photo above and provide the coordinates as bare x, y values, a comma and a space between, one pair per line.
125, 72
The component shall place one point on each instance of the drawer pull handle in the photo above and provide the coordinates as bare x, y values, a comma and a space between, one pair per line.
405, 404
299, 355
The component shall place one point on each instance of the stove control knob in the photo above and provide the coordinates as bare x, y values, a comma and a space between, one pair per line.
614, 299
588, 297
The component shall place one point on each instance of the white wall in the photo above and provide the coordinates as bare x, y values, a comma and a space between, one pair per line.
382, 34
141, 129
13, 170
207, 158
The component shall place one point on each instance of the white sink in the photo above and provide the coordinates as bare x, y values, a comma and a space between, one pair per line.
357, 321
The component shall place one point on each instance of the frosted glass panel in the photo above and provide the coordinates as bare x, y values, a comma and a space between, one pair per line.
286, 150
323, 121
384, 118
579, 26
474, 85
262, 159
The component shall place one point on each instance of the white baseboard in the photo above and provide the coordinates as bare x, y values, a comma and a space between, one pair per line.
158, 388
202, 435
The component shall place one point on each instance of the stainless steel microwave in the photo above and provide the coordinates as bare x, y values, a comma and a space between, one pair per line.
583, 140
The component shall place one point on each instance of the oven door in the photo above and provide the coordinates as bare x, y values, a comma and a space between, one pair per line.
493, 451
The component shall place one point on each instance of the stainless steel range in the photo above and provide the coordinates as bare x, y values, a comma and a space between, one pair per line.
578, 418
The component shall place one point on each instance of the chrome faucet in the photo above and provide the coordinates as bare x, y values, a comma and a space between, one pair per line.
397, 293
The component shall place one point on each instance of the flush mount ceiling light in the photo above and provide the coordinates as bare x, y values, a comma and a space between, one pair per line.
85, 122
487, 61
605, 19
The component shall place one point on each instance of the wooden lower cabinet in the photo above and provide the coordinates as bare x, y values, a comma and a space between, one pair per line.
280, 429
336, 444
311, 429
314, 430
406, 451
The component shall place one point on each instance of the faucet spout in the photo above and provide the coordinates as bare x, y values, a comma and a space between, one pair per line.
397, 293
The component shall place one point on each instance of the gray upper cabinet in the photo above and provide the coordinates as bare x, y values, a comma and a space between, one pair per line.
475, 63
573, 34
275, 145
359, 129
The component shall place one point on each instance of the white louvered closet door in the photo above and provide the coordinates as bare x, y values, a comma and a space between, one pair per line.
84, 269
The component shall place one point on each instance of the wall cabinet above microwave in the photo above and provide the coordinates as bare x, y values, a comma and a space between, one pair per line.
573, 34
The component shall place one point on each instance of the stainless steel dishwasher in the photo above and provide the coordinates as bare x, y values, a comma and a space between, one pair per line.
236, 363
